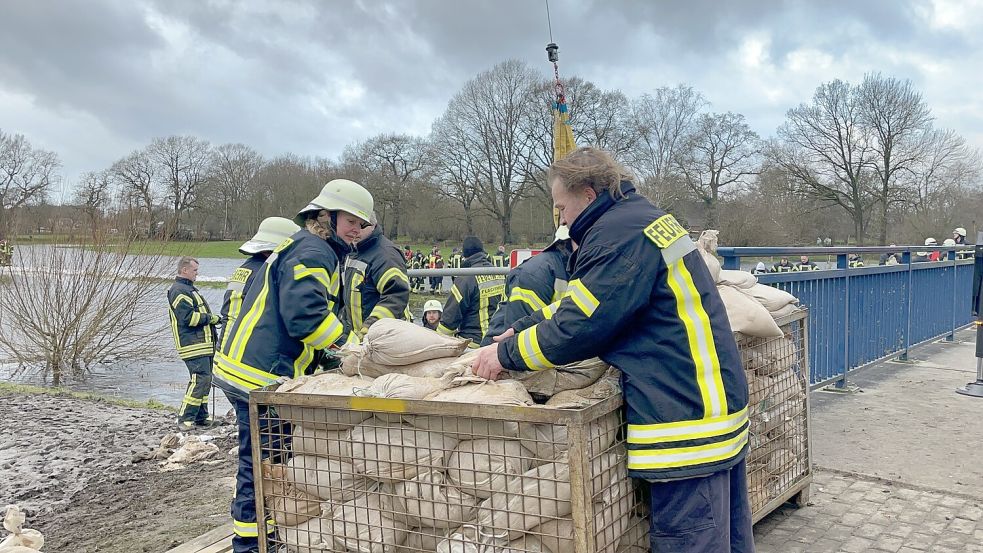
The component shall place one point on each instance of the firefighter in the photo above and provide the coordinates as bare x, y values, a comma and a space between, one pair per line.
417, 262
854, 260
498, 260
432, 311
271, 232
641, 298
958, 236
193, 325
536, 283
289, 316
435, 261
783, 266
375, 282
473, 298
805, 265
455, 259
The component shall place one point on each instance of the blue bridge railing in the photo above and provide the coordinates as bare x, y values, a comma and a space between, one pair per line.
866, 314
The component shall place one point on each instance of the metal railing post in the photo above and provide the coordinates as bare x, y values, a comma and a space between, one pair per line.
906, 258
951, 256
841, 383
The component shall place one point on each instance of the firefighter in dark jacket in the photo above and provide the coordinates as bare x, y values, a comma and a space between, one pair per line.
374, 282
534, 284
289, 316
473, 299
193, 325
641, 299
498, 260
272, 231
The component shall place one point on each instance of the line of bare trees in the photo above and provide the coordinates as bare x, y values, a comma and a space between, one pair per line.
859, 162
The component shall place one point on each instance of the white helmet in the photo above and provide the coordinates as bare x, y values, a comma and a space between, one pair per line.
341, 195
948, 242
433, 305
271, 232
960, 231
931, 242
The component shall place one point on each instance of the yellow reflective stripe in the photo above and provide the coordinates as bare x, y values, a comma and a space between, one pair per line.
318, 273
583, 297
551, 309
326, 333
179, 299
245, 330
258, 378
355, 300
441, 329
195, 318
250, 529
381, 312
456, 293
686, 430
528, 297
303, 360
650, 459
530, 351
689, 307
394, 272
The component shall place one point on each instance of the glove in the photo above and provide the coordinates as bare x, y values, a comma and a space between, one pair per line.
214, 319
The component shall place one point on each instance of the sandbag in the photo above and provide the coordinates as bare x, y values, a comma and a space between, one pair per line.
397, 342
468, 539
404, 387
20, 539
612, 513
332, 384
746, 315
713, 265
312, 536
574, 376
388, 451
738, 279
482, 467
540, 495
363, 526
636, 538
500, 392
759, 387
328, 479
608, 385
784, 311
548, 442
355, 363
422, 539
771, 298
288, 505
429, 501
707, 246
334, 444
769, 357
555, 535
464, 428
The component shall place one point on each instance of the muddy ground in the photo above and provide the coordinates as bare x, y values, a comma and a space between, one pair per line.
69, 463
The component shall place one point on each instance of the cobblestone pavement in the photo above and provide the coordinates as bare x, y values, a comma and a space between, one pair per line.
853, 513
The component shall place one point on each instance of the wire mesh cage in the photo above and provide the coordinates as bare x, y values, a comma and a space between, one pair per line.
779, 458
371, 475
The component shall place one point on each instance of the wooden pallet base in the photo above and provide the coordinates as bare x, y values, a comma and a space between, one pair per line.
218, 540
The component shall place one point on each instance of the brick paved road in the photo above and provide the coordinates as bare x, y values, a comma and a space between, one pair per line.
855, 514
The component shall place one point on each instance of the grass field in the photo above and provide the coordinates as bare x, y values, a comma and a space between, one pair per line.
20, 389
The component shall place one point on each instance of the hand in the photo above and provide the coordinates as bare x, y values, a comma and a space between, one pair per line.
214, 319
504, 335
486, 364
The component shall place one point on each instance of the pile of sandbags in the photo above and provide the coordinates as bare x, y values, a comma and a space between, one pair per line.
777, 410
751, 307
380, 482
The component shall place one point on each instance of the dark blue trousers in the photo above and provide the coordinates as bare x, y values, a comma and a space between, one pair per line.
711, 514
245, 530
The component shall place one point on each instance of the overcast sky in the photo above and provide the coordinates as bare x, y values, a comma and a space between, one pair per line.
96, 79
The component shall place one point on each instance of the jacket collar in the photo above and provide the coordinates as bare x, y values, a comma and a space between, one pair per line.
594, 211
369, 242
186, 281
476, 260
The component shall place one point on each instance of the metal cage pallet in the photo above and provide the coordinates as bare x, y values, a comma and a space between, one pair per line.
368, 475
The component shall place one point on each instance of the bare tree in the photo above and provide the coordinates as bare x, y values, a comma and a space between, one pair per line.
899, 122
26, 175
721, 151
663, 121
826, 148
233, 167
454, 167
390, 165
183, 164
92, 197
136, 177
67, 309
493, 111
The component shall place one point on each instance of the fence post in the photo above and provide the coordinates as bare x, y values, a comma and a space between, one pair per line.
841, 383
732, 262
906, 258
951, 256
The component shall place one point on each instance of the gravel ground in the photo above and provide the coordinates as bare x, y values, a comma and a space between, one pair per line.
69, 464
